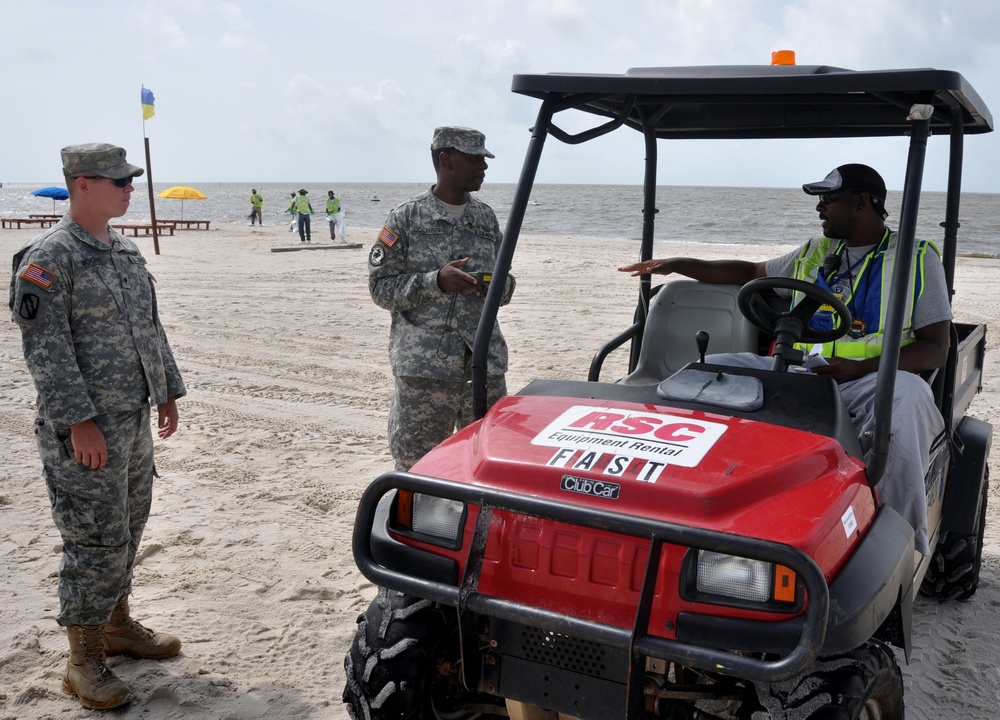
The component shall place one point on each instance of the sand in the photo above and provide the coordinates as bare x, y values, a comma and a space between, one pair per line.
247, 554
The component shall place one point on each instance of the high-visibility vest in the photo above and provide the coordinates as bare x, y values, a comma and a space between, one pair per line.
256, 200
333, 205
869, 300
302, 204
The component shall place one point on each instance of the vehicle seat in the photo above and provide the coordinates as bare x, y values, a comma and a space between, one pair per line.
679, 310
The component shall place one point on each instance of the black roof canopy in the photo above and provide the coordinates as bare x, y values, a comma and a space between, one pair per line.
766, 101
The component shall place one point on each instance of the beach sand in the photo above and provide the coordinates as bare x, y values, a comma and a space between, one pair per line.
247, 553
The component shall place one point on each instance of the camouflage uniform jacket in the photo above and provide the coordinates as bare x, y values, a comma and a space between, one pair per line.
431, 329
90, 331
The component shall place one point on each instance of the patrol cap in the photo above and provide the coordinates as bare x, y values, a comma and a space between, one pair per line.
853, 176
100, 159
462, 139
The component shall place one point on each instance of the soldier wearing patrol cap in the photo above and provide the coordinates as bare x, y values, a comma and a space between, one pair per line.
422, 270
99, 357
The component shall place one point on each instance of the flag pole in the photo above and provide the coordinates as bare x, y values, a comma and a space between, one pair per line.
149, 184
149, 181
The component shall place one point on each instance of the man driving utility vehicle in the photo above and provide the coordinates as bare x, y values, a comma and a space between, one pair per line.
855, 259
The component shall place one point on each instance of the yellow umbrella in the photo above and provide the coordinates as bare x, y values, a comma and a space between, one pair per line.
182, 193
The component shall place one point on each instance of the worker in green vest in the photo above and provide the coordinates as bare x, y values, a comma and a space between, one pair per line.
256, 205
335, 216
855, 259
304, 210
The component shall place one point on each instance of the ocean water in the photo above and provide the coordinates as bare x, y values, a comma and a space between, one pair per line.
778, 216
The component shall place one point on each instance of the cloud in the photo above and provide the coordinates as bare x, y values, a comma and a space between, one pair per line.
271, 90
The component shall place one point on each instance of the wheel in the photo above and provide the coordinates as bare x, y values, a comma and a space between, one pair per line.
863, 684
953, 573
405, 664
756, 310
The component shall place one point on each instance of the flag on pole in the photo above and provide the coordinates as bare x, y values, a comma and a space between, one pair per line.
147, 104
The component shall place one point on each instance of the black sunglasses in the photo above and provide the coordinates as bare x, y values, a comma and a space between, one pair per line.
119, 182
830, 197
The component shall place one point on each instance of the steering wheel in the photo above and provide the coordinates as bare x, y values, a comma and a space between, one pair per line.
753, 306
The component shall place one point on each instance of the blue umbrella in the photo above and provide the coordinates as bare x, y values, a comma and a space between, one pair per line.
53, 191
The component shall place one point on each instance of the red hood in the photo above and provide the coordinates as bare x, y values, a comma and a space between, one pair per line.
683, 466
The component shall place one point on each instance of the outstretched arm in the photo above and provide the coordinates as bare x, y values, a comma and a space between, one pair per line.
730, 272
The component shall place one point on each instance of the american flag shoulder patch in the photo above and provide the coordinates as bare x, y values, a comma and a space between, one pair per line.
388, 236
38, 275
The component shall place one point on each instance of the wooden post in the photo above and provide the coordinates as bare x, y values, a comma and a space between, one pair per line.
152, 206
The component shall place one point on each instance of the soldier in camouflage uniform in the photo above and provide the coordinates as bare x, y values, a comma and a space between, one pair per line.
420, 270
99, 357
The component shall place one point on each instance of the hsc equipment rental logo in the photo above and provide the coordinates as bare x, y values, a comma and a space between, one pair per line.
626, 444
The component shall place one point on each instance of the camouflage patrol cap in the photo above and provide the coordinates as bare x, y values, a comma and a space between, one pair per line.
462, 139
99, 159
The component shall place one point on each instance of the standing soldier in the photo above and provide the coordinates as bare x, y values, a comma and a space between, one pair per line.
99, 357
421, 269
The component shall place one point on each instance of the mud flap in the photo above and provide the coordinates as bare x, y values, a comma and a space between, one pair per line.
963, 493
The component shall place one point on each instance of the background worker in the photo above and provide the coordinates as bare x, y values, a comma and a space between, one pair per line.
291, 211
304, 210
256, 207
420, 270
335, 216
98, 356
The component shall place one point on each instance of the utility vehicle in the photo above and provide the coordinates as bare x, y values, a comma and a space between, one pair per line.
689, 541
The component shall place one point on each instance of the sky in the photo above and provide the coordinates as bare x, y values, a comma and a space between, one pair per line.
351, 91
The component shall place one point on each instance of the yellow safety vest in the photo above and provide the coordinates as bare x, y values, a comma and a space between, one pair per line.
869, 299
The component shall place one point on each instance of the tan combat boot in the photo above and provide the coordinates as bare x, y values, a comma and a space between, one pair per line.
125, 636
87, 675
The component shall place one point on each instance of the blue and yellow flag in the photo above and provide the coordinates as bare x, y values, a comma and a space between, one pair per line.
147, 104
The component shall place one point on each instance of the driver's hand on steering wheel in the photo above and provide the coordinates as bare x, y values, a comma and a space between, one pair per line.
841, 370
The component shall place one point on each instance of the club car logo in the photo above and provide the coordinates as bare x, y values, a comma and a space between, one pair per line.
597, 488
626, 444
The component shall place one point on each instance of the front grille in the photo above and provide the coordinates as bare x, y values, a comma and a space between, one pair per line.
553, 649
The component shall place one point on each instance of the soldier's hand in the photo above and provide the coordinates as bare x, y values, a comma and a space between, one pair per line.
89, 447
166, 418
451, 278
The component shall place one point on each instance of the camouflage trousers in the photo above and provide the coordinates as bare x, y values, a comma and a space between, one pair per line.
100, 514
423, 412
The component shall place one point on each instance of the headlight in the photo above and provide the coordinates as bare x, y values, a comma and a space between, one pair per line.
734, 577
434, 516
744, 579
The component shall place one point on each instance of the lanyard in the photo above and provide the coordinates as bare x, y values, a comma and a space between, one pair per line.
849, 272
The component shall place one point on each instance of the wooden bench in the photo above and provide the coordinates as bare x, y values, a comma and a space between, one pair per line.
189, 224
146, 229
44, 215
18, 222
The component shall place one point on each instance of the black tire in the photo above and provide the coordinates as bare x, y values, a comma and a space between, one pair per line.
863, 684
953, 573
404, 664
